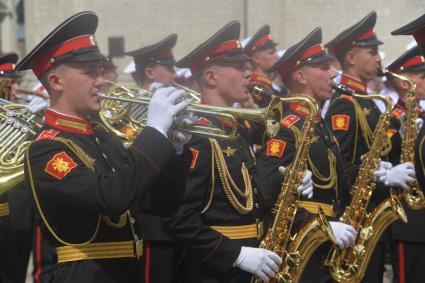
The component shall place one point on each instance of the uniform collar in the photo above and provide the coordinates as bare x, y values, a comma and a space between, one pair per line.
67, 123
260, 79
354, 84
301, 109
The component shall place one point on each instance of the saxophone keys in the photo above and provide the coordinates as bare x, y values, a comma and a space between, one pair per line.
293, 259
359, 250
366, 233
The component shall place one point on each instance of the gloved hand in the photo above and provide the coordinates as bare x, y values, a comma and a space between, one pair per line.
345, 234
306, 188
400, 175
155, 86
163, 108
262, 263
380, 175
37, 103
177, 137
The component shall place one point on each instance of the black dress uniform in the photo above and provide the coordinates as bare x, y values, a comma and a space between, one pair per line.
221, 210
330, 188
15, 209
83, 182
353, 121
160, 250
408, 239
261, 40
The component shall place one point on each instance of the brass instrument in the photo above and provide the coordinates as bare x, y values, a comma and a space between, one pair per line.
414, 197
349, 265
124, 107
17, 127
296, 250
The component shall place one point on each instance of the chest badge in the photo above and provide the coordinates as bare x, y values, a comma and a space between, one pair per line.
229, 151
366, 111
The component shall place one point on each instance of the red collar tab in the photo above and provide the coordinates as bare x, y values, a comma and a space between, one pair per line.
7, 67
157, 55
299, 108
260, 42
311, 52
46, 60
354, 84
218, 53
260, 79
366, 35
416, 60
67, 123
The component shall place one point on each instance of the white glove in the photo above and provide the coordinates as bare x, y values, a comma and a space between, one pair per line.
177, 137
345, 234
306, 188
155, 86
237, 105
262, 263
380, 175
400, 175
36, 104
419, 122
163, 108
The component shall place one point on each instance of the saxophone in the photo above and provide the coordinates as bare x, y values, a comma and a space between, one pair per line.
349, 265
295, 250
414, 197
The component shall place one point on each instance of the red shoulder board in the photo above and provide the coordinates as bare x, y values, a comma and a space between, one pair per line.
60, 165
47, 135
346, 97
340, 122
398, 112
289, 120
275, 148
195, 154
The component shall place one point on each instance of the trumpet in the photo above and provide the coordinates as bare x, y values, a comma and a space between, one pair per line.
124, 107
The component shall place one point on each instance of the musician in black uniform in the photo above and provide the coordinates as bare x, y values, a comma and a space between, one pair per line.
219, 222
408, 239
262, 50
353, 120
15, 207
305, 70
83, 182
155, 63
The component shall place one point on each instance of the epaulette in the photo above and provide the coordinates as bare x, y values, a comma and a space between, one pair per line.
289, 120
47, 135
346, 97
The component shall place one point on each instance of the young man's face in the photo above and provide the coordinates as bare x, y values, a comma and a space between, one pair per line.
418, 78
319, 79
265, 58
232, 81
81, 83
162, 74
366, 62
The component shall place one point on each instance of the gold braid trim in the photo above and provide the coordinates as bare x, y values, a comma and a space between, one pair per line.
229, 185
329, 181
212, 184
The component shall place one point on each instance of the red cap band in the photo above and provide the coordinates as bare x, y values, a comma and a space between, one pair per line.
312, 51
409, 63
260, 42
216, 54
7, 67
366, 35
46, 60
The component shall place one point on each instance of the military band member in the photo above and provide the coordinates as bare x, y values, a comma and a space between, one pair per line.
410, 247
83, 182
357, 50
219, 220
155, 63
262, 50
15, 211
305, 70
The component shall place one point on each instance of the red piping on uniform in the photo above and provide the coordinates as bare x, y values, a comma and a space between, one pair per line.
401, 270
37, 255
147, 260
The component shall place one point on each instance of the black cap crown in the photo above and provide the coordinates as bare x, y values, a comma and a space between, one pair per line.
308, 51
8, 65
223, 46
261, 40
360, 34
159, 53
73, 40
415, 28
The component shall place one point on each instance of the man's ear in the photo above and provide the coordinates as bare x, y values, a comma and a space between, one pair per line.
350, 58
210, 77
255, 58
299, 77
150, 73
55, 81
